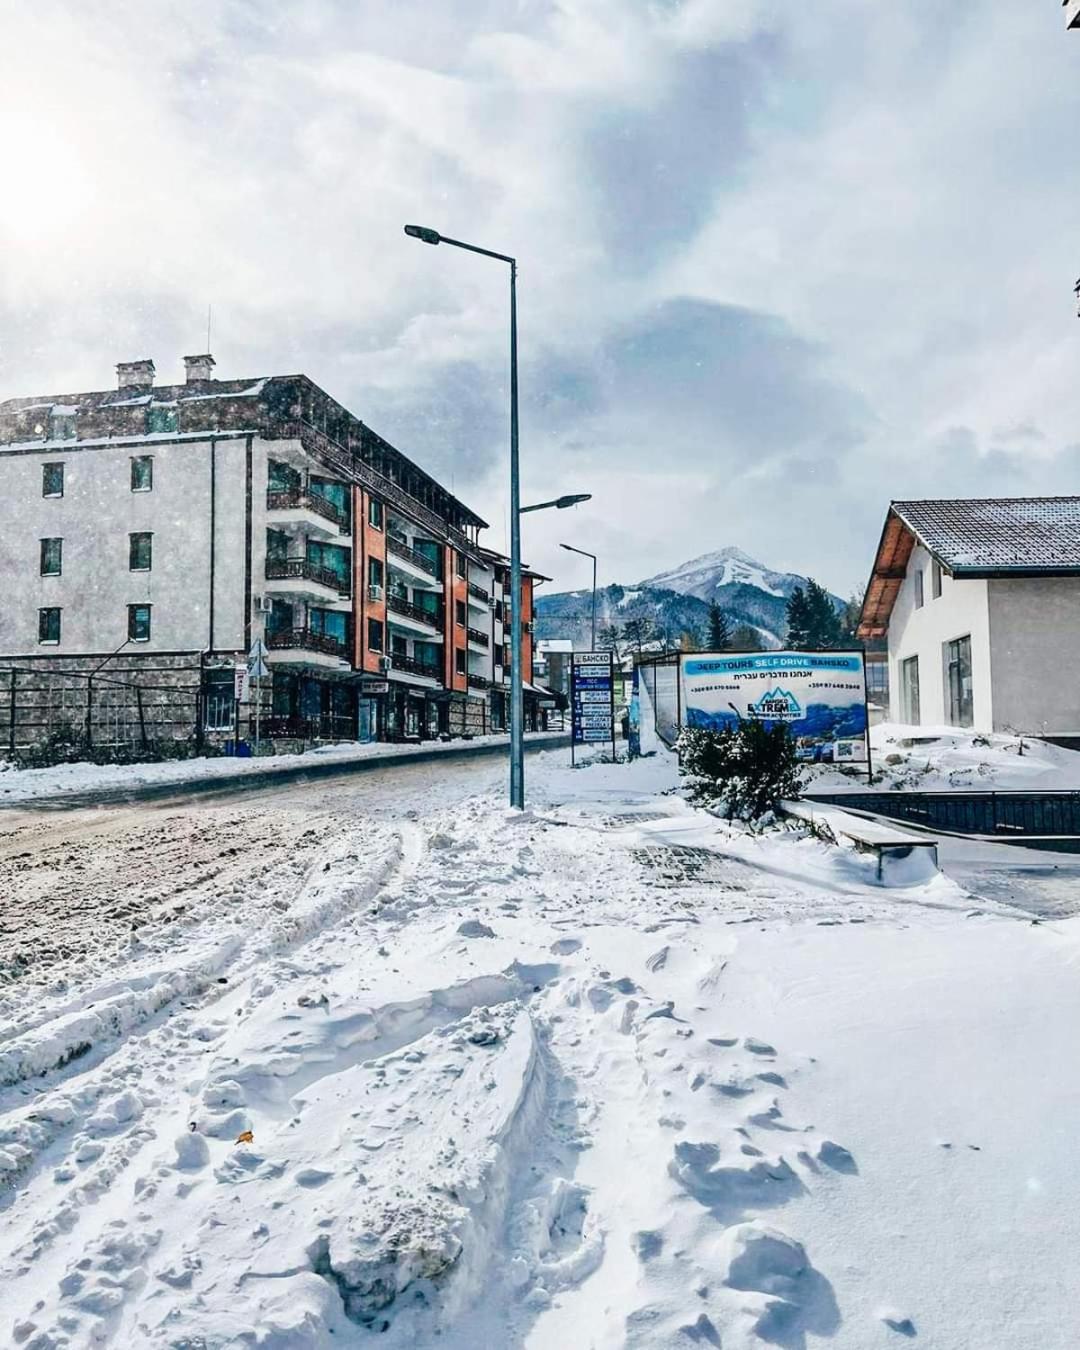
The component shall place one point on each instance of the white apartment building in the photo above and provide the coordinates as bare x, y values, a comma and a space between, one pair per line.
980, 603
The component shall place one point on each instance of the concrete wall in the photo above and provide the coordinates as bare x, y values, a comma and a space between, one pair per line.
94, 518
961, 610
1035, 650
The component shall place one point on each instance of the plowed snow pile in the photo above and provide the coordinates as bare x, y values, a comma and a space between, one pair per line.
606, 1073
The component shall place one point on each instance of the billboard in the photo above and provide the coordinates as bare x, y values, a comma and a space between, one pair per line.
592, 698
819, 696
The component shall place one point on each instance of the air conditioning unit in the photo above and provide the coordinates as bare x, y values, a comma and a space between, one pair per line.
386, 663
263, 604
374, 592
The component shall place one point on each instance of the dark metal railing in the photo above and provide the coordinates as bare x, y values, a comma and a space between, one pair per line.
399, 605
396, 545
475, 635
307, 640
287, 499
302, 569
479, 681
412, 666
1008, 814
478, 592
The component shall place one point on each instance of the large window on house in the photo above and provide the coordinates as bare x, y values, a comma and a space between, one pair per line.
282, 477
460, 660
459, 613
909, 690
333, 558
142, 473
330, 623
61, 426
52, 480
219, 701
52, 557
138, 623
374, 512
161, 419
958, 681
375, 573
460, 564
374, 635
49, 625
919, 599
140, 551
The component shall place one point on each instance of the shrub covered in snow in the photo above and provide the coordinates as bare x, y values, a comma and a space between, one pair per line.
746, 769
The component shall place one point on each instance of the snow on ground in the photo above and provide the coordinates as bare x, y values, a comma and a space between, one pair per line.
934, 759
28, 785
607, 1072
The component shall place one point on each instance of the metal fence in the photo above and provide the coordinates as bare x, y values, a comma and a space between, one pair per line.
100, 711
1006, 814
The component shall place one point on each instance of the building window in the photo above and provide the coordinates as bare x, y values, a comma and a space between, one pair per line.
61, 426
459, 660
140, 547
142, 473
909, 690
499, 610
918, 588
459, 612
935, 580
959, 682
48, 625
52, 480
161, 420
138, 623
52, 557
374, 635
374, 513
375, 574
459, 564
220, 712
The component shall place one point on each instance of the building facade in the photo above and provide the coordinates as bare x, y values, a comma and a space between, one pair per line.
980, 604
154, 534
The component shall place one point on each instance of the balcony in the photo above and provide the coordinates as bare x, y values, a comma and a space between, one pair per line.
477, 638
294, 509
478, 681
304, 647
416, 562
409, 665
477, 595
298, 576
405, 614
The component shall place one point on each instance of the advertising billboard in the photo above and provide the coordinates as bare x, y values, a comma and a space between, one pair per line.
592, 699
819, 696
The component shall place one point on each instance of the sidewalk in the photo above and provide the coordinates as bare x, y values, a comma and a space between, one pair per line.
75, 785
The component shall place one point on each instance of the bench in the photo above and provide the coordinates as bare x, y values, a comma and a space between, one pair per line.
902, 856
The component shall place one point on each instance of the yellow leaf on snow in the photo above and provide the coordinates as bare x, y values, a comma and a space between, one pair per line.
246, 1138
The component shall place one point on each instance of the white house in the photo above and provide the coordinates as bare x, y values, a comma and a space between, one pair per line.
980, 602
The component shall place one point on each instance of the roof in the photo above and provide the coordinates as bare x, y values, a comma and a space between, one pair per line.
972, 538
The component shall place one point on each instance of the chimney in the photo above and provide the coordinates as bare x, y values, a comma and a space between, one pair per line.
199, 368
133, 374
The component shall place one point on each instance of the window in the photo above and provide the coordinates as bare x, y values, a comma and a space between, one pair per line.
398, 645
499, 610
52, 480
374, 512
909, 690
960, 686
374, 635
140, 548
935, 580
52, 556
220, 702
459, 660
48, 625
459, 612
62, 426
142, 473
159, 419
919, 588
375, 574
138, 623
459, 564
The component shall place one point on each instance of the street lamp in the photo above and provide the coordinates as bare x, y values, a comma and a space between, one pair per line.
560, 503
585, 554
517, 692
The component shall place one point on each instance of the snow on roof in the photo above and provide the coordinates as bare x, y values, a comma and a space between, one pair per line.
998, 534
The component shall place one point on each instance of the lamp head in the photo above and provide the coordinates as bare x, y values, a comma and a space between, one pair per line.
423, 233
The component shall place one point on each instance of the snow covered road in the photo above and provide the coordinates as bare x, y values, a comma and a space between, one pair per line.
604, 1073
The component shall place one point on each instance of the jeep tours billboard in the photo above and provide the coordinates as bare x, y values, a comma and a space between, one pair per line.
819, 696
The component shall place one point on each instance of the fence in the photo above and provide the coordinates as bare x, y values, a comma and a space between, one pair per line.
100, 711
1004, 814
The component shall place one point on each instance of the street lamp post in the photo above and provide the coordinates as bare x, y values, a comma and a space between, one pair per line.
517, 691
585, 554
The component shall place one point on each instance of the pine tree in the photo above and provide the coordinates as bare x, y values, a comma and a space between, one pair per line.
746, 639
812, 619
719, 630
609, 639
798, 620
636, 632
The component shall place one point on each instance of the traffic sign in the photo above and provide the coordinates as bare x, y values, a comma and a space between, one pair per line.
256, 661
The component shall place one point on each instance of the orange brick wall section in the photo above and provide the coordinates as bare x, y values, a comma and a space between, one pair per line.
455, 588
526, 637
370, 543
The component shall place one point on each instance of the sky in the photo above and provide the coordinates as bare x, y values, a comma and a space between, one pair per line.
778, 263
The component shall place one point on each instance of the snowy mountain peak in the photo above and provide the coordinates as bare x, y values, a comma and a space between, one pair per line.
730, 566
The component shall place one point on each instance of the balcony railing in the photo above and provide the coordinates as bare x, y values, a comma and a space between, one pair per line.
411, 666
306, 639
421, 560
475, 635
301, 569
479, 681
478, 592
290, 499
399, 605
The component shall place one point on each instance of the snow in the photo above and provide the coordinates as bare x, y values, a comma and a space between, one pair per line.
607, 1072
935, 759
726, 567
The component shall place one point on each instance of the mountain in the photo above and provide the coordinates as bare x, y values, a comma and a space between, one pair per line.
678, 600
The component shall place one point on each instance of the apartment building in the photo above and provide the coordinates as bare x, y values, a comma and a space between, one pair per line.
154, 533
